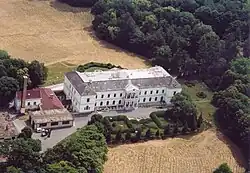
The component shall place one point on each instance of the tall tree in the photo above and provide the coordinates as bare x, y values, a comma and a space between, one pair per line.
37, 72
8, 88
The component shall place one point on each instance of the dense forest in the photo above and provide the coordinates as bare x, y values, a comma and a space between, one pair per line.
11, 75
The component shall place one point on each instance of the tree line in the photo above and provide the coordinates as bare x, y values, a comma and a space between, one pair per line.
11, 76
233, 103
82, 152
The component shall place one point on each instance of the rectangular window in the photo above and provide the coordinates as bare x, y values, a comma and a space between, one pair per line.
157, 91
151, 92
87, 99
102, 95
155, 98
144, 99
54, 123
96, 96
162, 91
145, 92
114, 95
107, 103
34, 103
101, 103
108, 95
121, 95
150, 99
28, 103
65, 122
43, 125
113, 102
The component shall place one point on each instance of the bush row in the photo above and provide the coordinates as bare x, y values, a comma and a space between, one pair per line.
156, 120
82, 68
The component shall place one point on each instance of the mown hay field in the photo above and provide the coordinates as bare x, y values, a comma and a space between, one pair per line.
198, 154
52, 33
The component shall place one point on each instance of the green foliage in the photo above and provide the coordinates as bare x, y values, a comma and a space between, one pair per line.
8, 88
12, 169
195, 39
85, 149
85, 67
37, 73
223, 168
201, 95
63, 167
156, 120
26, 132
241, 66
4, 54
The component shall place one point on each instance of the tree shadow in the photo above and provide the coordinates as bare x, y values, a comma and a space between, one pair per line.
236, 152
67, 8
90, 31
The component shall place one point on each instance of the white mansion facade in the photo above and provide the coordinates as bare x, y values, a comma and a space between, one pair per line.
119, 89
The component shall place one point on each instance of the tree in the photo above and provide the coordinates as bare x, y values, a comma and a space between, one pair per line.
157, 134
4, 54
118, 136
148, 134
185, 128
138, 134
128, 136
199, 121
241, 66
193, 125
24, 154
63, 167
8, 89
223, 168
37, 72
167, 130
26, 132
12, 169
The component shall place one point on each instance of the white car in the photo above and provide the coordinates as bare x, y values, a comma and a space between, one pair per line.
39, 130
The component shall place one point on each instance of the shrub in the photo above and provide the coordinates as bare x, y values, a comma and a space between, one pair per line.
83, 68
190, 83
160, 113
156, 120
201, 94
129, 123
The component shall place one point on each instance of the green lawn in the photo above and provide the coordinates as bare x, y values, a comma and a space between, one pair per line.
56, 73
203, 105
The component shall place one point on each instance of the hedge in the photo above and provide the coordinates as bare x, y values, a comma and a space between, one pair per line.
156, 120
82, 68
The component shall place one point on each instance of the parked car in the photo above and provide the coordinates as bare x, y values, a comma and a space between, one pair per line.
39, 130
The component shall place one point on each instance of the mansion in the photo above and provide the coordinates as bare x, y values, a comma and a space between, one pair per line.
119, 89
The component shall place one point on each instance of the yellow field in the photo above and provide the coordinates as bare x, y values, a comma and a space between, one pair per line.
52, 32
199, 154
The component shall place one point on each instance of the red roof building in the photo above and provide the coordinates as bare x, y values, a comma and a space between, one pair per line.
49, 100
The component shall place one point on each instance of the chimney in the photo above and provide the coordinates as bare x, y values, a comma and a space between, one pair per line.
25, 83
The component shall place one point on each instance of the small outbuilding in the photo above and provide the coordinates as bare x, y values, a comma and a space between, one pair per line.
49, 119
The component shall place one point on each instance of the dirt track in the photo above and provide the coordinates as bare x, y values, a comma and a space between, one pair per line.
52, 32
199, 154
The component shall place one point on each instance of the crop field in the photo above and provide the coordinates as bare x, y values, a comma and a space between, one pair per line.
198, 154
52, 33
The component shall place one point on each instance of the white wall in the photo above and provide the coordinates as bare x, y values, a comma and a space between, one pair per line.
29, 103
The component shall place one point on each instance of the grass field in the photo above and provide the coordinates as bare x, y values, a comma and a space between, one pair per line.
198, 154
203, 105
52, 33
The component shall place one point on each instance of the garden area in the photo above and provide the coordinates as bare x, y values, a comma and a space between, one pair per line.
161, 125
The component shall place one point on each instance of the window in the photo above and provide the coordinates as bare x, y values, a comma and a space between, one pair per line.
155, 98
140, 93
28, 103
120, 102
161, 98
138, 100
96, 96
157, 91
102, 95
114, 95
87, 99
150, 99
151, 92
43, 125
135, 105
174, 92
95, 104
145, 92
108, 95
101, 103
65, 122
54, 123
121, 95
34, 103
113, 102
162, 91
87, 108
144, 99
107, 102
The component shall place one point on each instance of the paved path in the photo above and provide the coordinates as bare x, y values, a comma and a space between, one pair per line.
59, 134
19, 124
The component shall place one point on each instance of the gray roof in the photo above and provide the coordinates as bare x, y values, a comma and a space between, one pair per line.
90, 88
